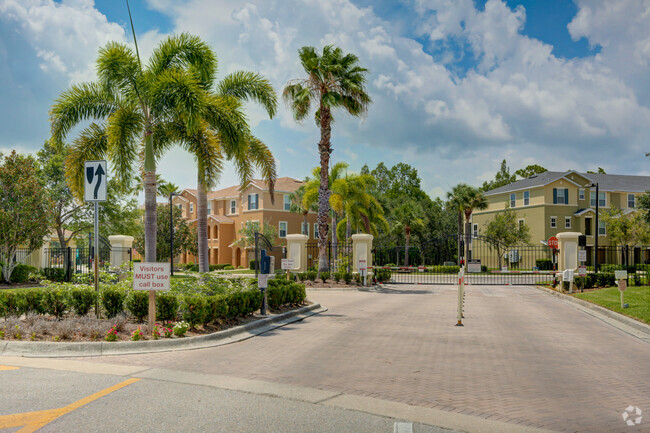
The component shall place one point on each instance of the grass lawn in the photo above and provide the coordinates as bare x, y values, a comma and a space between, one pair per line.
237, 271
637, 297
181, 277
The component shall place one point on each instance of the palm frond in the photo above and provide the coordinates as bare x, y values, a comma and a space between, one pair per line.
92, 144
250, 86
123, 131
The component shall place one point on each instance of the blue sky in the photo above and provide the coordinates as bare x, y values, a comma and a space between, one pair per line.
458, 85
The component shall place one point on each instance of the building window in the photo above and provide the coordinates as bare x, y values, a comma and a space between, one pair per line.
581, 193
567, 222
252, 202
287, 202
560, 196
526, 198
601, 199
282, 228
475, 230
180, 206
209, 207
315, 230
513, 200
304, 228
587, 226
191, 207
630, 201
233, 207
602, 230
521, 223
553, 222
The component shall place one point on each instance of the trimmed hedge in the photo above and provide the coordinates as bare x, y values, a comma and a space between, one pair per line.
544, 264
200, 307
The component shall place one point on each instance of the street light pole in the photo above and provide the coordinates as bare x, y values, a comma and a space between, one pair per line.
171, 232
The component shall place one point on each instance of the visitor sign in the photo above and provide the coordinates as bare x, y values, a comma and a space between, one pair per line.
95, 181
151, 276
287, 264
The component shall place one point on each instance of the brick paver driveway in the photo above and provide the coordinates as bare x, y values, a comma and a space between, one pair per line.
522, 357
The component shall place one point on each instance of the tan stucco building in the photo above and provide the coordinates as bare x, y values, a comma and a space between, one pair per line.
554, 202
229, 209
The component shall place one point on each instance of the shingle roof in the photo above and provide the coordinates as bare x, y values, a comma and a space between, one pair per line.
606, 182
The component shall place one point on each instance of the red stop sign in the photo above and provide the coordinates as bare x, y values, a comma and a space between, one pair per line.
552, 242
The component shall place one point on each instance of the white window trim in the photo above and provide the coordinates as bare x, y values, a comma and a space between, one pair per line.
633, 199
287, 201
191, 207
553, 218
209, 207
564, 199
599, 205
511, 199
604, 227
581, 194
526, 204
475, 230
257, 201
567, 219
521, 220
231, 203
304, 225
286, 229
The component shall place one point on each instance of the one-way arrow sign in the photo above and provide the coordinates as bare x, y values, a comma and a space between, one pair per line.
95, 181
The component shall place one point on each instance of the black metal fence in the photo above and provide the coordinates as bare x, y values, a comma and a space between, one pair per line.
63, 263
339, 256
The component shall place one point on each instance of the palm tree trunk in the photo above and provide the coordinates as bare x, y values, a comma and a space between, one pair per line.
324, 149
406, 248
202, 226
150, 194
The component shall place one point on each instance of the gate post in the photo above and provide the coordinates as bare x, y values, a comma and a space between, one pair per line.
119, 245
68, 263
361, 250
297, 250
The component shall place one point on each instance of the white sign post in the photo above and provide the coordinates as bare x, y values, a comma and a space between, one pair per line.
287, 265
95, 192
151, 277
362, 267
582, 256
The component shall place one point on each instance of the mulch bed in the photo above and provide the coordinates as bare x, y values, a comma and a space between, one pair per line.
88, 328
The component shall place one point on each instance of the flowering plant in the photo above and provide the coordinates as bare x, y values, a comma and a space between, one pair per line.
181, 328
168, 332
111, 335
156, 332
137, 335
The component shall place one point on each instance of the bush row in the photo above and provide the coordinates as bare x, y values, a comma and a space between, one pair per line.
20, 273
195, 308
604, 279
194, 267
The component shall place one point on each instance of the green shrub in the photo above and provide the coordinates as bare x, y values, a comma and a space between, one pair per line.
34, 299
82, 299
325, 276
338, 276
357, 278
604, 279
218, 267
55, 274
443, 269
251, 264
54, 301
544, 264
194, 309
228, 268
383, 275
166, 306
312, 275
21, 273
137, 303
113, 300
237, 304
217, 309
12, 303
347, 277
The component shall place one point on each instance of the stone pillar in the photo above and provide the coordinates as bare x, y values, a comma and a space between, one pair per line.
119, 249
297, 250
361, 250
568, 250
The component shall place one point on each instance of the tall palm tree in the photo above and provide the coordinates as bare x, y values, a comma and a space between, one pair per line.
299, 206
246, 153
474, 199
129, 105
334, 80
456, 199
407, 217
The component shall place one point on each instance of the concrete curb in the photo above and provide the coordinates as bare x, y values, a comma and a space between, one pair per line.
231, 335
621, 318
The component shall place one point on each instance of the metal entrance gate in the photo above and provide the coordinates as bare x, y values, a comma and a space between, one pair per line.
437, 262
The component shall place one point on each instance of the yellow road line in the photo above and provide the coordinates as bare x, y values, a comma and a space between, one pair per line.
32, 421
8, 367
